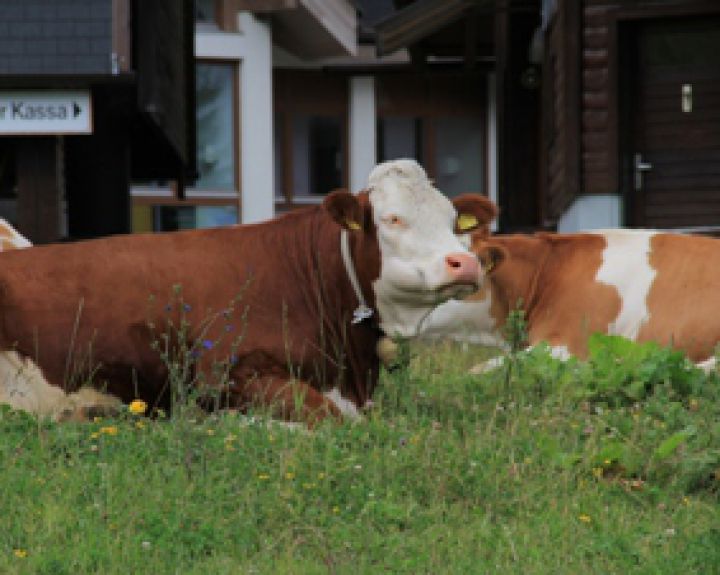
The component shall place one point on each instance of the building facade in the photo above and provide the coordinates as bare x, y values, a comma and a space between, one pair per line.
93, 94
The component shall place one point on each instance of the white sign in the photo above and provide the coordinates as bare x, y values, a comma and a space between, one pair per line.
45, 112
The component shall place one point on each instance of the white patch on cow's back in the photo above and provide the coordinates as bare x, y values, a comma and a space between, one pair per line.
463, 321
626, 267
346, 407
24, 387
14, 239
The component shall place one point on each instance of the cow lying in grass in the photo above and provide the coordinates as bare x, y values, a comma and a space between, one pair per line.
23, 385
311, 292
643, 285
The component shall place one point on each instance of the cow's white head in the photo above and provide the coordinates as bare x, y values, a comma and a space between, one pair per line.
414, 228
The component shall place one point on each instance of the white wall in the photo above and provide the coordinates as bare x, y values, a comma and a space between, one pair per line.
251, 47
362, 152
592, 213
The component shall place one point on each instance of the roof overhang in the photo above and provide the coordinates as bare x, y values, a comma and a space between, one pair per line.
419, 20
310, 28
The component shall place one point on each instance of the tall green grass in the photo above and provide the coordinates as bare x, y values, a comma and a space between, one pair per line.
546, 471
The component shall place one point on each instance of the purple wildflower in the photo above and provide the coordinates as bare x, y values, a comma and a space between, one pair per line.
208, 344
187, 307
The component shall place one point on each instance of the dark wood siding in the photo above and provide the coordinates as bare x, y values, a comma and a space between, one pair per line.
598, 172
561, 110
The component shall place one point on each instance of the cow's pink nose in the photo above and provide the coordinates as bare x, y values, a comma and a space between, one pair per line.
462, 268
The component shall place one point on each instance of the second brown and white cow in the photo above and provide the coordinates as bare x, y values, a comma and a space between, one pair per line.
313, 292
640, 284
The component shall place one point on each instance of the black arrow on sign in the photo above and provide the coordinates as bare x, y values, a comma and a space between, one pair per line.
76, 110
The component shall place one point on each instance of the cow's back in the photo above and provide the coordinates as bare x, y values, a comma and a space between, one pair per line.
95, 301
683, 302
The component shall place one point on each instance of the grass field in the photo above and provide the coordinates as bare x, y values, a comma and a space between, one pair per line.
542, 469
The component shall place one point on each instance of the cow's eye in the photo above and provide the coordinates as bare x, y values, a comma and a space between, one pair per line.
394, 220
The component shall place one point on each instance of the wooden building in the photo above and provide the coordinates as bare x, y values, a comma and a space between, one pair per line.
93, 94
607, 112
631, 109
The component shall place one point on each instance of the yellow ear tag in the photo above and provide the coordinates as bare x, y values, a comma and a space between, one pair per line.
467, 222
353, 225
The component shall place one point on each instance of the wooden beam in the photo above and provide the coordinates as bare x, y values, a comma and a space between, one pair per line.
419, 20
38, 189
573, 87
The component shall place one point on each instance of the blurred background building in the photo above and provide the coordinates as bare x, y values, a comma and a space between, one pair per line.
570, 114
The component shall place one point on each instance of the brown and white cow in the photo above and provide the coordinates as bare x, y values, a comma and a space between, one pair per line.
59, 302
640, 284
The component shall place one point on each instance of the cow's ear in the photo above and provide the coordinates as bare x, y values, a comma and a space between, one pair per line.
475, 212
491, 256
346, 209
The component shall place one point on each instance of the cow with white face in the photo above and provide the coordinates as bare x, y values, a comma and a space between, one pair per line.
311, 291
423, 263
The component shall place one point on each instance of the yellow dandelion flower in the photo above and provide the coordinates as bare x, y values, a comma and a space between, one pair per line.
686, 501
137, 407
20, 553
289, 476
336, 509
94, 435
321, 475
210, 432
140, 424
109, 430
584, 518
263, 476
607, 462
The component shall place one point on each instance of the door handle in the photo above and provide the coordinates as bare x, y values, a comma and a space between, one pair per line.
640, 167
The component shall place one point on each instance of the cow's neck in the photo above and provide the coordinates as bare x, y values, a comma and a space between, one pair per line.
328, 295
516, 283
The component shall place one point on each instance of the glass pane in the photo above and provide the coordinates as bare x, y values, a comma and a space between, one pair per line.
205, 11
399, 137
173, 218
318, 155
215, 127
214, 216
459, 155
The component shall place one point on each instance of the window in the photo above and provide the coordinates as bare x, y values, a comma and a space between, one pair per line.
310, 136
213, 200
399, 137
206, 11
439, 120
214, 95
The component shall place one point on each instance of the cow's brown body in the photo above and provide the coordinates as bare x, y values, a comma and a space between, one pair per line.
644, 285
95, 296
